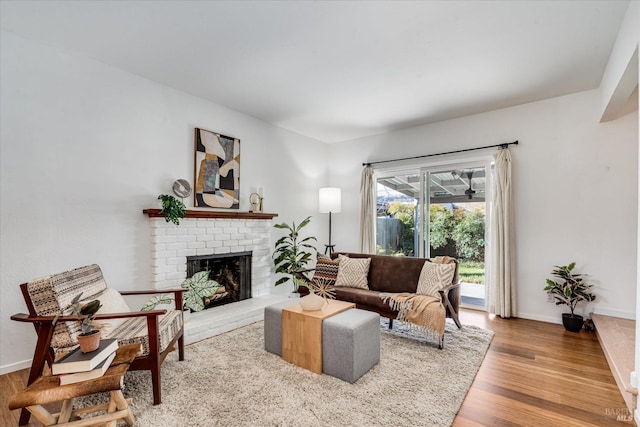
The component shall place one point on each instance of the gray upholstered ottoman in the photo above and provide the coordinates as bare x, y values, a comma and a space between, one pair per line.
350, 344
273, 326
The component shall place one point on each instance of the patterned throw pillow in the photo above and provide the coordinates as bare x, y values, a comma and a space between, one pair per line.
435, 277
353, 272
326, 269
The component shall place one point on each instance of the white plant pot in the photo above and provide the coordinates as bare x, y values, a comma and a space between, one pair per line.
294, 295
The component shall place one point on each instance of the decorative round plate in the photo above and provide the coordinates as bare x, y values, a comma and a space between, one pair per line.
182, 188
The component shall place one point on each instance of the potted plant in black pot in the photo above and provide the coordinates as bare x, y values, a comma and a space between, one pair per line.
570, 290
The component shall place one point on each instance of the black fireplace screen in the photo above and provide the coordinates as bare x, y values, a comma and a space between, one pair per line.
232, 271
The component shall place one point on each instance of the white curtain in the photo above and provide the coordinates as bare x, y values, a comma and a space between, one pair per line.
501, 295
367, 211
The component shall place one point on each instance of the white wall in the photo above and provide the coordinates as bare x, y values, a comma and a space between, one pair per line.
575, 184
85, 147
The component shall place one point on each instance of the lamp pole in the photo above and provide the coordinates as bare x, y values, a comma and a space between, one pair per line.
329, 201
329, 247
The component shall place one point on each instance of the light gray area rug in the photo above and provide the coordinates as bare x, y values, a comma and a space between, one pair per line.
230, 380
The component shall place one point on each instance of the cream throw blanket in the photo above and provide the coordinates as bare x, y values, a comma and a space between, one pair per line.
424, 313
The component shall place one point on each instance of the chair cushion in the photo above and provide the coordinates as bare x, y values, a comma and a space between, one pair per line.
112, 302
52, 294
134, 331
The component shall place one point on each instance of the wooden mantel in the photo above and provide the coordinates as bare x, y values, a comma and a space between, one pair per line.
157, 213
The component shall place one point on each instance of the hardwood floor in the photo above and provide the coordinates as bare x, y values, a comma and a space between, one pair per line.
534, 374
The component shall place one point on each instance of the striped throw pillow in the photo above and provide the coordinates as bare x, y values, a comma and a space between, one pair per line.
326, 269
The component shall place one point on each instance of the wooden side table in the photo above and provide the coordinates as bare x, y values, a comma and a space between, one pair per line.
302, 333
46, 389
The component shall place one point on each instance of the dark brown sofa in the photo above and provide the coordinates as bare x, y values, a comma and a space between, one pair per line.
395, 274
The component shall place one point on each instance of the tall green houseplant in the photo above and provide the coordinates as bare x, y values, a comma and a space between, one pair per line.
292, 253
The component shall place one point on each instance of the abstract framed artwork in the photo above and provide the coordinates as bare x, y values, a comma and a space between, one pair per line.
217, 170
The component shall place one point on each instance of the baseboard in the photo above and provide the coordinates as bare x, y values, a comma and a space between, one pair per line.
5, 369
555, 319
615, 313
558, 319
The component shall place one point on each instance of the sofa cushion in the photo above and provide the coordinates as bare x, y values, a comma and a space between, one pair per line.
363, 297
392, 273
353, 272
435, 277
326, 269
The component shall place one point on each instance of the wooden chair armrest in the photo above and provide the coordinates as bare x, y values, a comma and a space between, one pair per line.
153, 291
23, 317
149, 313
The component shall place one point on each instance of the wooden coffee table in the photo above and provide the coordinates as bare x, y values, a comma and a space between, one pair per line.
302, 333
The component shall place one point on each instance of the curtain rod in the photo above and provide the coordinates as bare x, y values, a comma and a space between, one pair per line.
504, 145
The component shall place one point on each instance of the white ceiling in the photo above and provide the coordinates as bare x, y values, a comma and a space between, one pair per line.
340, 70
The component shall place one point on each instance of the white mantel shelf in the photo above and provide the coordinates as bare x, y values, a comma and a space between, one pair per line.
191, 213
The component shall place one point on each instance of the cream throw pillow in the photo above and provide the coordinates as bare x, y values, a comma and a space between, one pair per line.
435, 277
353, 272
112, 302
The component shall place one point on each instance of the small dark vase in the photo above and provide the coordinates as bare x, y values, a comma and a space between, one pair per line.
572, 324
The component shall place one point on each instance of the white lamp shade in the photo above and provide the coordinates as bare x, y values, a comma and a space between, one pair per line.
329, 200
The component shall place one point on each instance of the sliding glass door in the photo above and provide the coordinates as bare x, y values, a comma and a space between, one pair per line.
437, 211
397, 224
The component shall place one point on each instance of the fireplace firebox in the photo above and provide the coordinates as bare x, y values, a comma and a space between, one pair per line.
232, 271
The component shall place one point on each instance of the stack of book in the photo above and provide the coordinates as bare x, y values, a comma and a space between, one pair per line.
78, 366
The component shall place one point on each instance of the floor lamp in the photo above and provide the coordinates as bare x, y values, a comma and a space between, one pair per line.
329, 201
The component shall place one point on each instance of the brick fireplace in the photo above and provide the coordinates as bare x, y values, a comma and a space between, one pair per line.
232, 271
203, 233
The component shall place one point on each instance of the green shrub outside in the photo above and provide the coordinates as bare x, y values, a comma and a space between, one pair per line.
457, 228
471, 271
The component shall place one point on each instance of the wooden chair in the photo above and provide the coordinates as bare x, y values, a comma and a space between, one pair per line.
157, 331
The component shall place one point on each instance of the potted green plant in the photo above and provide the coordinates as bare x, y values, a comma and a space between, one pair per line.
173, 209
89, 338
292, 253
200, 289
570, 290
